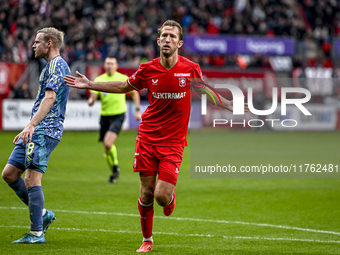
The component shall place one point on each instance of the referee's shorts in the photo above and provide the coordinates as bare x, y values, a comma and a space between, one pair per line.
111, 123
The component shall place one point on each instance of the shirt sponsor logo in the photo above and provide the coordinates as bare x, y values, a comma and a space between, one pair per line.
182, 82
168, 95
182, 74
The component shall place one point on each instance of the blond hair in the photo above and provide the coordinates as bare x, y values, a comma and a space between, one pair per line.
53, 34
172, 23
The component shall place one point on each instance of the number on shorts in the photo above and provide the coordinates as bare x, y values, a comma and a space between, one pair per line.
30, 147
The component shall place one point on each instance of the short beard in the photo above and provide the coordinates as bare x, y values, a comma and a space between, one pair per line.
37, 56
167, 55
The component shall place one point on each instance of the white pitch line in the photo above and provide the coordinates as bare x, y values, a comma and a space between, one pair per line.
188, 235
192, 219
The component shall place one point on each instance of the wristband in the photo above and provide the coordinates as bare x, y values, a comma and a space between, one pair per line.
137, 109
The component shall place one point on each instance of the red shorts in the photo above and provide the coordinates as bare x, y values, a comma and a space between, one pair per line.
164, 160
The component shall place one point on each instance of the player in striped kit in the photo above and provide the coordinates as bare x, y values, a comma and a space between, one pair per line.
34, 144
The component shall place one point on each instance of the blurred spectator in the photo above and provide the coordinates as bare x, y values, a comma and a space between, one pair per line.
21, 93
127, 28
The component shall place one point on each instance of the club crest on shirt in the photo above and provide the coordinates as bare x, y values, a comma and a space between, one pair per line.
182, 82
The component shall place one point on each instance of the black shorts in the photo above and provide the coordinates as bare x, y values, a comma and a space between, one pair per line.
111, 123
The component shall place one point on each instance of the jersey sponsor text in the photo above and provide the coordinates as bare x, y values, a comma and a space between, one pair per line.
168, 95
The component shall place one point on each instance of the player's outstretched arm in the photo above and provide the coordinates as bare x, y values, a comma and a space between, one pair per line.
216, 99
82, 82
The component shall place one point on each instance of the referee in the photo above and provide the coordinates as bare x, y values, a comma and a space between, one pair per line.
112, 114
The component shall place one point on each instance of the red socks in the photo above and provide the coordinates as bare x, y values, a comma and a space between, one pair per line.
146, 212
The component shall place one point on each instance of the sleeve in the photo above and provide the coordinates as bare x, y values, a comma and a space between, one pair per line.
55, 77
136, 80
198, 79
94, 91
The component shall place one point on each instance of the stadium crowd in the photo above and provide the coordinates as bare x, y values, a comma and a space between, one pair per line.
128, 28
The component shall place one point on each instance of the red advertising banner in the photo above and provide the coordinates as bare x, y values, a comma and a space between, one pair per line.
10, 73
4, 79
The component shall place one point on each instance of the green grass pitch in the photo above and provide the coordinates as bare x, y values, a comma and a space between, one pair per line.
213, 216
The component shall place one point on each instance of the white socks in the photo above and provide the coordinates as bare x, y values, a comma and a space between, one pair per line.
148, 239
37, 233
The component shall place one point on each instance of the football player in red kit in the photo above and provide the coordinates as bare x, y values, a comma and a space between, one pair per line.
163, 130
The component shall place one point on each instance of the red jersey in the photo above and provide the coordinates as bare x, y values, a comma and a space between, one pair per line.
165, 121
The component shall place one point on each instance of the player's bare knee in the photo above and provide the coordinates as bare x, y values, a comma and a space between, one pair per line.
10, 176
147, 194
5, 176
107, 146
162, 199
